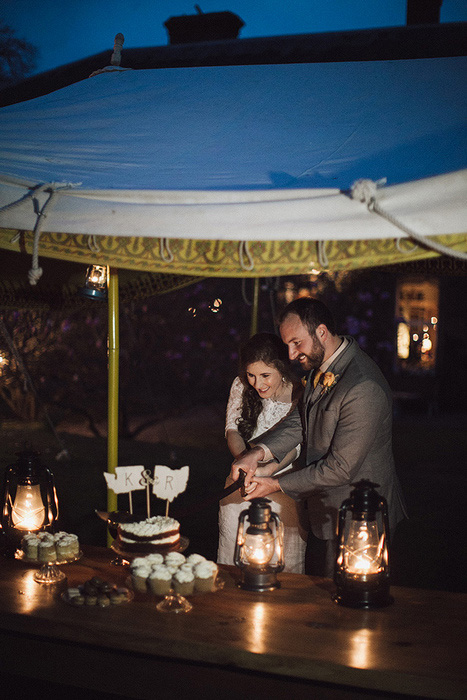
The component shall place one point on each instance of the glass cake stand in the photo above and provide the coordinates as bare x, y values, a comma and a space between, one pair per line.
174, 602
49, 572
113, 520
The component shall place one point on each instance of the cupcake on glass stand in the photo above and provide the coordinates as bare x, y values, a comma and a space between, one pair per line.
177, 584
50, 552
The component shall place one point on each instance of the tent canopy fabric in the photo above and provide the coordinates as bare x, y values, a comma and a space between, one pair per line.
174, 169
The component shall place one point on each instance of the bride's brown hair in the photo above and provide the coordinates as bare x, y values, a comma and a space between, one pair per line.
267, 348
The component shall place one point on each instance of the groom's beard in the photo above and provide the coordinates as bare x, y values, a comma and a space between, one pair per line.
314, 359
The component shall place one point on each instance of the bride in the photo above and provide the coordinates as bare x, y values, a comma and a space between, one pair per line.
263, 393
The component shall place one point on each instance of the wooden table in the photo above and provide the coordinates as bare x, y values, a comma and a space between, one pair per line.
295, 640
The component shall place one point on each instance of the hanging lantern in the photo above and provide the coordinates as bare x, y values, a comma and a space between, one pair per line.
362, 565
29, 499
259, 551
95, 286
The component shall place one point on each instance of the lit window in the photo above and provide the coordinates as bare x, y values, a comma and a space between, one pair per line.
417, 312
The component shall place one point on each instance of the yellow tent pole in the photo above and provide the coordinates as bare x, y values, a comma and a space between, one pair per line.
254, 308
112, 402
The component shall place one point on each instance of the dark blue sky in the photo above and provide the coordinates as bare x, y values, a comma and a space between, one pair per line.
66, 31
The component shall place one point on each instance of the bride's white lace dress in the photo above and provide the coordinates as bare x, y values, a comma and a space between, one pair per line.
287, 509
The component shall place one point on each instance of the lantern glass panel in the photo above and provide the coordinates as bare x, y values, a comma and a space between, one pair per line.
259, 547
97, 277
363, 550
28, 510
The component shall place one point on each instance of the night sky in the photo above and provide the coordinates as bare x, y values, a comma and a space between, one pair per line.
65, 32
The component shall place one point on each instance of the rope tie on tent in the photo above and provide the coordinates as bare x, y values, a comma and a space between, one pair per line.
322, 256
246, 259
164, 250
29, 195
93, 244
366, 191
35, 273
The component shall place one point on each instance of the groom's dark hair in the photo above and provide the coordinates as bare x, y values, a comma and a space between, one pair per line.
312, 313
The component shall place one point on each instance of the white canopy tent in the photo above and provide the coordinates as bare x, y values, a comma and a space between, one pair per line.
241, 153
251, 170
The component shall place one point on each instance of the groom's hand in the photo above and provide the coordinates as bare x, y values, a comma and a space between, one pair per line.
248, 461
262, 486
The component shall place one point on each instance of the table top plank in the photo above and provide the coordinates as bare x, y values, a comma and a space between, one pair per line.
416, 646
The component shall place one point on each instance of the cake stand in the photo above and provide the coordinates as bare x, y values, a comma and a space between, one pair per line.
49, 571
174, 602
129, 556
113, 520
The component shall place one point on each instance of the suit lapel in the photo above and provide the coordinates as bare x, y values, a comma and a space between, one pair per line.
337, 368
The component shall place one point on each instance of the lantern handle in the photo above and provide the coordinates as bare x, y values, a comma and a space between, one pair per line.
280, 564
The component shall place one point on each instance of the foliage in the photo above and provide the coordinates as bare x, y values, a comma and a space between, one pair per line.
53, 359
177, 350
17, 56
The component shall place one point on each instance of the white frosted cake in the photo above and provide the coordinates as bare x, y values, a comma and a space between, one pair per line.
158, 533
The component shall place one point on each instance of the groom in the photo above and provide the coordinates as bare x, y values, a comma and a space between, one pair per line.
345, 423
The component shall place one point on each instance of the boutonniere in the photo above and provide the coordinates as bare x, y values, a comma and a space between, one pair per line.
328, 380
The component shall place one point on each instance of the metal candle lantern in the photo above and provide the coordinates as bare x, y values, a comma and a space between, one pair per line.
95, 286
29, 498
362, 565
259, 551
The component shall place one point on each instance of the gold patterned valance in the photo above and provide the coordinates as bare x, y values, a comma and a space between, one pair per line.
207, 258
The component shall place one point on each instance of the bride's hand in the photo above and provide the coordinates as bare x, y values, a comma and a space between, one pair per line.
266, 469
250, 488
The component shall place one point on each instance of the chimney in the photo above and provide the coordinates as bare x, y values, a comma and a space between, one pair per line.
423, 11
209, 26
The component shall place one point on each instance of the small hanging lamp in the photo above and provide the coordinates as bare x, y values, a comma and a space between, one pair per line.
95, 286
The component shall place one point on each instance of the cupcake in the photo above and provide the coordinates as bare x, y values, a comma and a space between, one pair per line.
139, 576
205, 576
46, 537
73, 543
195, 559
138, 561
67, 547
155, 559
160, 580
185, 567
174, 559
46, 551
184, 582
29, 545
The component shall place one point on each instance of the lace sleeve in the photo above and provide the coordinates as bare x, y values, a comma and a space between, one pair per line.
234, 405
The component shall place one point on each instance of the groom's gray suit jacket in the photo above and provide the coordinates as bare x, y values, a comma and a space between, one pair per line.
347, 436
